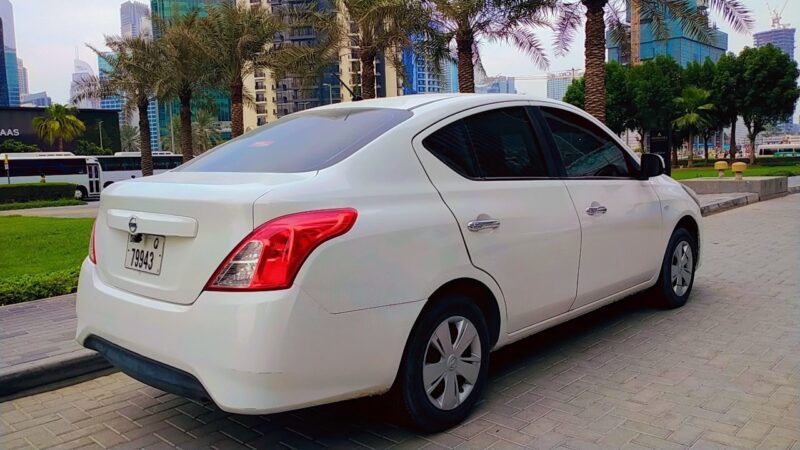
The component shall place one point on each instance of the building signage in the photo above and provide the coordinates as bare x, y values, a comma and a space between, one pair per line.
17, 124
9, 132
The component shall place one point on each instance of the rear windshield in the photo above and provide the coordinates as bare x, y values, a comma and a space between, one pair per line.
301, 142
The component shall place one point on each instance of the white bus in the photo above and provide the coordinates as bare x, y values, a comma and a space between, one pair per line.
778, 150
65, 167
126, 165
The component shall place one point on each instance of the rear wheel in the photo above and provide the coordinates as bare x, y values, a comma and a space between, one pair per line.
80, 193
677, 270
445, 364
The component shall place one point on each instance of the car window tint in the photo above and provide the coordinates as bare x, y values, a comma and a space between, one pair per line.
451, 145
504, 144
301, 142
586, 150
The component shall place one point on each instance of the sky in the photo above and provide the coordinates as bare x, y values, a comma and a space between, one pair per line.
48, 32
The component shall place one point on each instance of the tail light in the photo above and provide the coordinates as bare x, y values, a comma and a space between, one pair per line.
92, 254
270, 257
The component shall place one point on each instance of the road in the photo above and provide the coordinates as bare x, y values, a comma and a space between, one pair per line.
722, 372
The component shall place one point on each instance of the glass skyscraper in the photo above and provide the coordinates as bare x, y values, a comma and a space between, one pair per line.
421, 79
10, 53
681, 47
783, 38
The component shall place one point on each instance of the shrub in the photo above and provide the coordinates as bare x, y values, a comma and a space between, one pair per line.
24, 288
27, 192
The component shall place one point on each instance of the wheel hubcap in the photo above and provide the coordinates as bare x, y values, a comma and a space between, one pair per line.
452, 363
681, 268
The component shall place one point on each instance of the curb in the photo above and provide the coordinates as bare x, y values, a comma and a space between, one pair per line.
56, 369
729, 204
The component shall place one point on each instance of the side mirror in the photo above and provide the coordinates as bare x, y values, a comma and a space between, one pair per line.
652, 166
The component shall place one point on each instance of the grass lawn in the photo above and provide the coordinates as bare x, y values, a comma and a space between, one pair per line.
40, 256
752, 171
40, 204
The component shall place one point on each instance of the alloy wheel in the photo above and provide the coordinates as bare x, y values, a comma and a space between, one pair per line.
452, 363
681, 268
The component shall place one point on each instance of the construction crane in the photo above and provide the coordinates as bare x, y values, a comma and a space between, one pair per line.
776, 16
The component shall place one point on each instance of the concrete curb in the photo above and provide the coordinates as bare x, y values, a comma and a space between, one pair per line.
55, 369
713, 208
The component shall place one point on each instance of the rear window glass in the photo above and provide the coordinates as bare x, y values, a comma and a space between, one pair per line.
301, 142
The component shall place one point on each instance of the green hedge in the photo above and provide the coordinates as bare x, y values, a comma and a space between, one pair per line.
25, 288
27, 192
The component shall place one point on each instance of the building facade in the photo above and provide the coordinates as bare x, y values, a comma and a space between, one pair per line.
421, 78
678, 44
496, 85
134, 18
82, 72
36, 100
558, 83
167, 111
114, 102
10, 52
22, 76
782, 37
277, 98
4, 101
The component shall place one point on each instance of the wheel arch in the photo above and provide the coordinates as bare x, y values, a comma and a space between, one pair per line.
479, 293
688, 223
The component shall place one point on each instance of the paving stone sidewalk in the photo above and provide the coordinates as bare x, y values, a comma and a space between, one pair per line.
721, 372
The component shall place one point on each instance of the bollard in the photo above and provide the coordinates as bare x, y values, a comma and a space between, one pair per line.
738, 169
721, 167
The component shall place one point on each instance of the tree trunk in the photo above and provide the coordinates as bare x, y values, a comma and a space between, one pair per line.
690, 156
752, 149
595, 53
732, 155
144, 137
185, 98
60, 144
367, 56
705, 148
237, 108
466, 68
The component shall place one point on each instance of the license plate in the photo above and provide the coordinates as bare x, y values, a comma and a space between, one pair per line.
145, 252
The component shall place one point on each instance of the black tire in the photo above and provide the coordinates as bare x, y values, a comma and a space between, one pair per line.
80, 193
420, 411
664, 292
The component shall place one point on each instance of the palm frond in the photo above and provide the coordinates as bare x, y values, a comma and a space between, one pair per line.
735, 14
567, 23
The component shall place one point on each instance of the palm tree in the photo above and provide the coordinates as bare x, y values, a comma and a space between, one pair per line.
129, 138
186, 68
59, 124
135, 68
602, 14
469, 22
695, 110
385, 27
204, 131
240, 35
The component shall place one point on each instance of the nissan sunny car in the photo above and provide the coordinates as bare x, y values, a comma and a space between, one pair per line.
389, 244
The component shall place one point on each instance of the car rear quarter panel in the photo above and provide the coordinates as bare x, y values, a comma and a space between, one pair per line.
404, 244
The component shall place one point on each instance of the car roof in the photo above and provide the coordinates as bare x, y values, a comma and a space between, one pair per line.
410, 102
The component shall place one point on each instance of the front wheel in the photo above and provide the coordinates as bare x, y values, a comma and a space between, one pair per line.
445, 364
677, 270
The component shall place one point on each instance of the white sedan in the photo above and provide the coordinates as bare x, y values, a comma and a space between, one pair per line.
389, 244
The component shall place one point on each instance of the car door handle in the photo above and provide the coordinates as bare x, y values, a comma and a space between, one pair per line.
596, 209
483, 224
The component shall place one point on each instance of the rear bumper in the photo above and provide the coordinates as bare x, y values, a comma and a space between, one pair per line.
251, 353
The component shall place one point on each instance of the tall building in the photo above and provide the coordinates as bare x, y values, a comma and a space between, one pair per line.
422, 79
496, 85
113, 102
277, 98
82, 72
678, 44
36, 100
134, 18
782, 37
22, 76
166, 111
10, 52
558, 83
4, 101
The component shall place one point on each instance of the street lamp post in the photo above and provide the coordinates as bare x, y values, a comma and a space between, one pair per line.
100, 129
330, 92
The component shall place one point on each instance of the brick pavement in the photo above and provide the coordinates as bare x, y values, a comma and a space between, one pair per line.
722, 372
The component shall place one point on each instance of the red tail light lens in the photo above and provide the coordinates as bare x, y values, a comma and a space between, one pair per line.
92, 255
270, 257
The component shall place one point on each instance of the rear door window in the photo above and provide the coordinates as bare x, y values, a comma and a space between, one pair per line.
302, 142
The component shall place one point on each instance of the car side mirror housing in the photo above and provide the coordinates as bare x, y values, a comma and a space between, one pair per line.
652, 166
